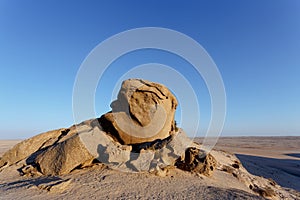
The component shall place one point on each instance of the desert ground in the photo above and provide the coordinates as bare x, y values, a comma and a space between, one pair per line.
277, 158
271, 157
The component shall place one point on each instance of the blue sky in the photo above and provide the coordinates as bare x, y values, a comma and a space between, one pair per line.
255, 44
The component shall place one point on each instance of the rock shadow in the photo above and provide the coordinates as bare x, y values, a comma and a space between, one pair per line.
296, 155
286, 172
31, 182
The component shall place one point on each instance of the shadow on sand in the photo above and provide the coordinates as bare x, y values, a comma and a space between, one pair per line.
29, 182
286, 172
297, 155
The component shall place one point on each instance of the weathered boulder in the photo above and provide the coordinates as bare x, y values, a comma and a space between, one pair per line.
143, 112
196, 160
91, 143
29, 146
63, 157
143, 161
174, 149
80, 150
160, 153
104, 148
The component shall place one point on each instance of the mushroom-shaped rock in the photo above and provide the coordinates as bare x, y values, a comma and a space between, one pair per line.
143, 112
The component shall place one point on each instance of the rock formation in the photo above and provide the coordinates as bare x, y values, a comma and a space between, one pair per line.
137, 135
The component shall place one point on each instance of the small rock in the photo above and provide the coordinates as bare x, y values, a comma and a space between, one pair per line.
55, 186
160, 172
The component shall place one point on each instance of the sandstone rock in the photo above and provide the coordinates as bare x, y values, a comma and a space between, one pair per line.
104, 148
29, 170
61, 151
155, 145
174, 149
55, 185
80, 150
197, 161
63, 157
166, 157
162, 153
28, 147
143, 112
180, 142
143, 162
160, 171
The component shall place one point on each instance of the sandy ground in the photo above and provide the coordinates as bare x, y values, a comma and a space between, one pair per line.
271, 157
272, 147
99, 183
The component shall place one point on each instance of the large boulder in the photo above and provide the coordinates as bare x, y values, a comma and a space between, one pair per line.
80, 150
27, 147
63, 157
143, 112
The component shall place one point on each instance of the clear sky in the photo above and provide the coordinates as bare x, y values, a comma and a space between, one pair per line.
254, 43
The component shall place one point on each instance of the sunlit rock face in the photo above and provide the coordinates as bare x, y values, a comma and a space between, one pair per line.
143, 112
